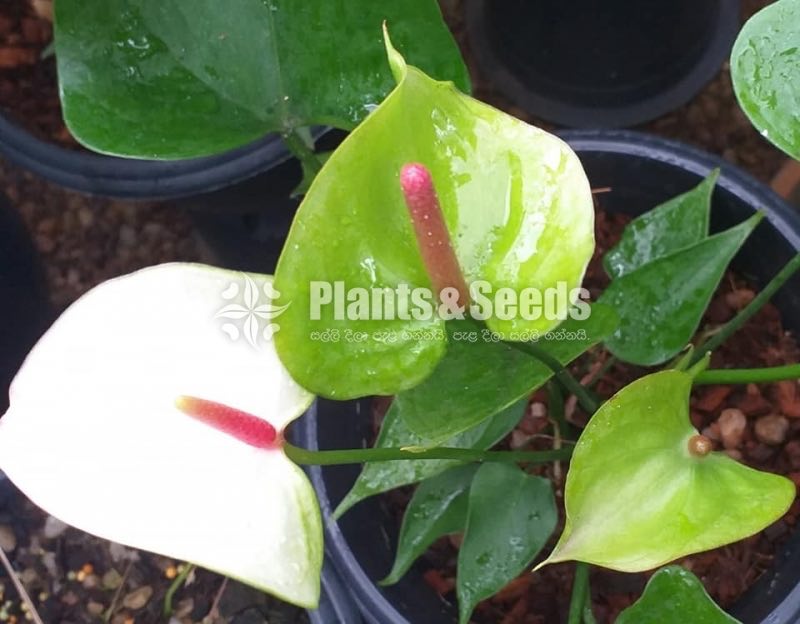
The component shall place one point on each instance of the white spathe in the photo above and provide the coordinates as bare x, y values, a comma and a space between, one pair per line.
93, 435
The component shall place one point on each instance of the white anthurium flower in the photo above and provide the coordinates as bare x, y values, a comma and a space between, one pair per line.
137, 418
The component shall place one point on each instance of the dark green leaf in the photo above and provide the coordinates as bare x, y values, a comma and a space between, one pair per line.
675, 596
482, 377
765, 68
660, 305
438, 507
670, 227
510, 518
184, 78
377, 477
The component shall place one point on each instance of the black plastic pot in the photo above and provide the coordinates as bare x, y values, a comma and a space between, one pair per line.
24, 307
246, 225
609, 63
124, 178
642, 171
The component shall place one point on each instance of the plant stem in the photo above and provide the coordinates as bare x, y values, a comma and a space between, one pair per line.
749, 310
748, 375
304, 153
584, 396
555, 407
359, 456
580, 588
175, 586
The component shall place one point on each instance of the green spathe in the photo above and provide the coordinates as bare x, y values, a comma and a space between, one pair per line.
516, 202
637, 499
185, 78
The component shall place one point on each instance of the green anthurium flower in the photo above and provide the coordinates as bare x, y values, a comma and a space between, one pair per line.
644, 489
517, 206
141, 387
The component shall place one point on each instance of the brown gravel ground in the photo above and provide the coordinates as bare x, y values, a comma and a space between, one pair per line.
84, 241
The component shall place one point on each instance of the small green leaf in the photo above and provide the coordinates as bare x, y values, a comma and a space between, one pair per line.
660, 304
674, 225
636, 498
675, 596
378, 477
517, 205
485, 376
184, 78
511, 516
438, 507
765, 68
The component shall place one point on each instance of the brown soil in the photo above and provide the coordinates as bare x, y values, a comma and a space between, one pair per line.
543, 597
28, 82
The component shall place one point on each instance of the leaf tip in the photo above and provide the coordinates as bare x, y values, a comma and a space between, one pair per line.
396, 61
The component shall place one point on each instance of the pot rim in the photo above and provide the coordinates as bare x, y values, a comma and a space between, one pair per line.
553, 109
138, 179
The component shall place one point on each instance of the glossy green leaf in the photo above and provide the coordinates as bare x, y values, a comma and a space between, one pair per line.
511, 516
674, 225
674, 596
184, 78
378, 477
517, 204
660, 305
484, 376
765, 68
637, 499
438, 508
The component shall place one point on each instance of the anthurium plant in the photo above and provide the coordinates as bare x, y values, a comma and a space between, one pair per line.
438, 256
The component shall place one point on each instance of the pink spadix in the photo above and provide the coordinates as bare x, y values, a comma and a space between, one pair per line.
430, 228
246, 427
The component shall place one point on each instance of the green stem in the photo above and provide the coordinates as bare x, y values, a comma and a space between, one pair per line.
298, 147
580, 587
174, 587
555, 405
749, 310
748, 375
572, 385
359, 456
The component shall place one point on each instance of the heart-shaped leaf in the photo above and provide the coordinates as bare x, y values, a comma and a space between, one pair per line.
510, 517
517, 205
484, 375
378, 477
637, 498
438, 507
765, 68
95, 416
184, 78
660, 304
674, 596
674, 225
